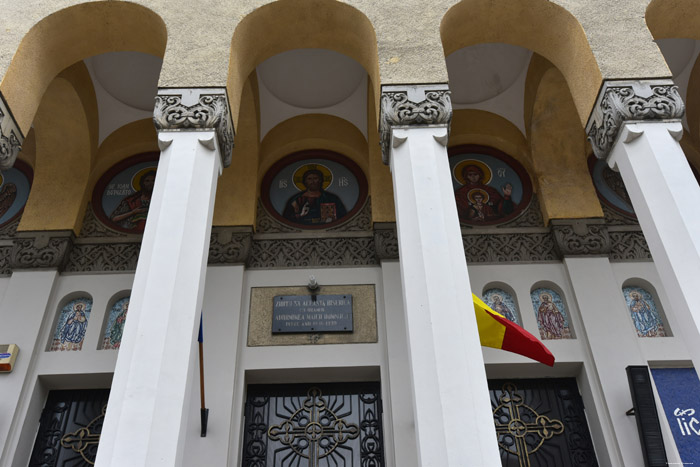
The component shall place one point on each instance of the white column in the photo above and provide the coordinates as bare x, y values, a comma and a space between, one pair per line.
613, 345
148, 405
21, 313
666, 199
454, 422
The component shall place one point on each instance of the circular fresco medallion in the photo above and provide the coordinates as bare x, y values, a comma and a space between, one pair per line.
314, 189
610, 187
123, 194
15, 184
490, 187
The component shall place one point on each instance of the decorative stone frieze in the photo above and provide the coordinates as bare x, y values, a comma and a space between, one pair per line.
386, 241
11, 138
406, 106
509, 247
576, 237
41, 250
628, 101
104, 257
629, 245
5, 253
313, 252
230, 245
196, 109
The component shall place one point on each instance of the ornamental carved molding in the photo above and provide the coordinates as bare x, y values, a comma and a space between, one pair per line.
509, 248
11, 137
630, 101
386, 241
104, 257
408, 106
230, 245
41, 250
578, 237
196, 110
312, 252
629, 246
5, 253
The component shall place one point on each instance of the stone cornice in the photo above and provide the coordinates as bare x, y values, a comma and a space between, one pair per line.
11, 137
581, 237
41, 250
406, 106
630, 101
196, 109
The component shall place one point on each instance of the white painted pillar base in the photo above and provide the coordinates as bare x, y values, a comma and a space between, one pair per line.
666, 199
454, 422
148, 405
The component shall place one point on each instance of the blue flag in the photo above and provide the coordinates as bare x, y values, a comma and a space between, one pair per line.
201, 334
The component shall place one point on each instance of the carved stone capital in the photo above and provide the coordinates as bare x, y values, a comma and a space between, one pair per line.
11, 137
41, 250
407, 106
386, 241
196, 109
630, 101
577, 237
230, 245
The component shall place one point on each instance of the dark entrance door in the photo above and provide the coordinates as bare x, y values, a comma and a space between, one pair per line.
69, 429
313, 425
541, 423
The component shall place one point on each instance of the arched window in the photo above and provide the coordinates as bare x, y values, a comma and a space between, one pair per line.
71, 324
503, 302
552, 315
644, 312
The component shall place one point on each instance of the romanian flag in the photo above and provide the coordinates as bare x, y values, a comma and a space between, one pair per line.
498, 332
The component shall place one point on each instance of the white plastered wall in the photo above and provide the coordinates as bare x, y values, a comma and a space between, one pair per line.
230, 365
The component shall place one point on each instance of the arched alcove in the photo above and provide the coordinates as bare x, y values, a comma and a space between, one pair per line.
114, 321
70, 323
552, 312
645, 309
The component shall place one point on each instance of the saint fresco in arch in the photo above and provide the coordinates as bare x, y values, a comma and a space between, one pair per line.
643, 311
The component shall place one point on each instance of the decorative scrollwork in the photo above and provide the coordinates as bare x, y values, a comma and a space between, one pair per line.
313, 431
399, 110
624, 101
92, 227
513, 247
84, 441
10, 137
312, 252
575, 237
629, 246
230, 245
8, 231
211, 112
386, 242
94, 257
41, 250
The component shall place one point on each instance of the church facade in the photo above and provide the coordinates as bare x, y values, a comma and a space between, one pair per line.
246, 233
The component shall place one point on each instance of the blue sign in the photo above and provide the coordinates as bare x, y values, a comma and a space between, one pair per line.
679, 390
5, 355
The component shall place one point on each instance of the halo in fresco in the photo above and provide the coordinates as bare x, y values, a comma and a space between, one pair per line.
645, 316
15, 184
502, 302
314, 189
122, 196
114, 330
71, 327
490, 187
610, 187
552, 315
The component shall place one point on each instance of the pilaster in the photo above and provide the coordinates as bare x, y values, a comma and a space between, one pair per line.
445, 359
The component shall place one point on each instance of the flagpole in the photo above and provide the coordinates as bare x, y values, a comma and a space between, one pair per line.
204, 412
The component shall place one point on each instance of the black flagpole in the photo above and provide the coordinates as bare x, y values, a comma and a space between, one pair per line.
204, 412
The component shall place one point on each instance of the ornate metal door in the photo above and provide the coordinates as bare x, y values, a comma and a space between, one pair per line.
69, 428
541, 422
320, 425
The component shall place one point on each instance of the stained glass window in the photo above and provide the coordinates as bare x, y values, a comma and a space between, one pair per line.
502, 302
644, 313
551, 313
115, 324
69, 333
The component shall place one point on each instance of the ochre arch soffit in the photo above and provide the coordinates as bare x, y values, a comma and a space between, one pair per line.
471, 126
298, 24
129, 140
313, 131
539, 25
58, 41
